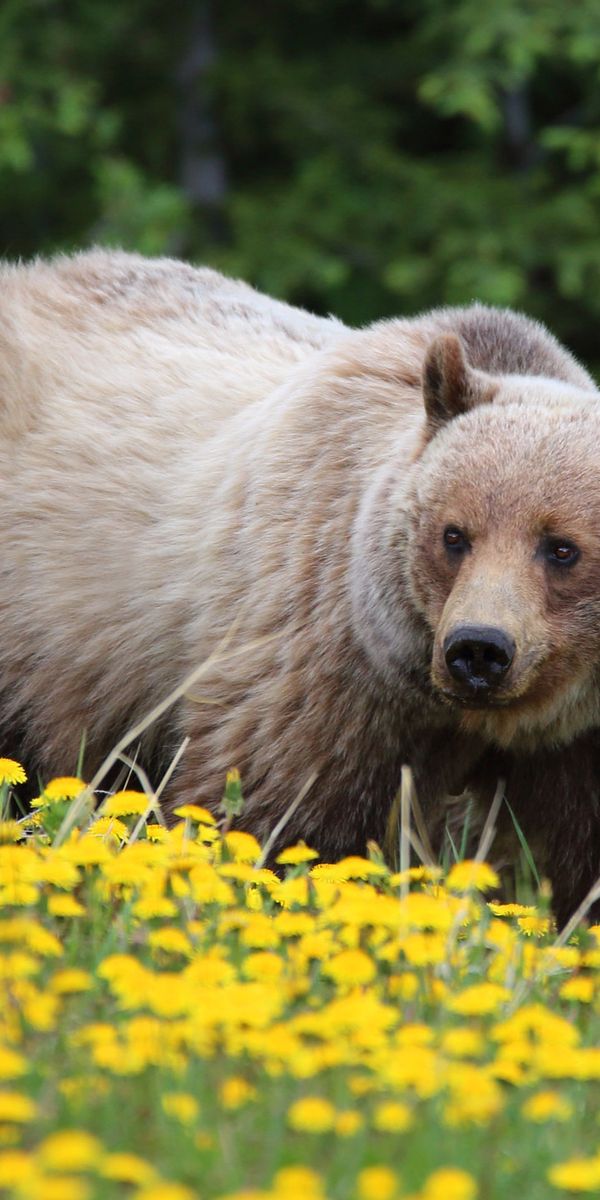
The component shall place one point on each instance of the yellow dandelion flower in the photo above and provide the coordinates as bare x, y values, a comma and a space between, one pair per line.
170, 941
42, 941
12, 1064
70, 1150
153, 905
294, 855
423, 949
86, 851
126, 1168
17, 1108
71, 980
449, 1183
16, 1164
463, 1043
65, 906
511, 910
576, 1175
581, 988
263, 965
311, 1115
361, 1085
58, 1187
478, 1000
429, 874
419, 910
348, 1122
350, 967
534, 926
464, 876
391, 1116
66, 787
11, 772
298, 1182
403, 987
547, 1106
126, 804
242, 847
166, 1191
475, 1096
181, 1105
377, 1183
55, 869
11, 831
352, 867
110, 827
236, 1091
157, 833
259, 932
194, 812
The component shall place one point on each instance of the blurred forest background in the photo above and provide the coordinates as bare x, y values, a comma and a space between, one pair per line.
361, 157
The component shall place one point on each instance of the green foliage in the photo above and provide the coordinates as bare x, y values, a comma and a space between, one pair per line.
366, 157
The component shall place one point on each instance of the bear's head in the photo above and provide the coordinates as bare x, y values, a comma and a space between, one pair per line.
492, 542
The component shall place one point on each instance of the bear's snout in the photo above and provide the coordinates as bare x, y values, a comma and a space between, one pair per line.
478, 657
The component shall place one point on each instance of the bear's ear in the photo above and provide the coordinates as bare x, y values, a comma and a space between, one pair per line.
450, 385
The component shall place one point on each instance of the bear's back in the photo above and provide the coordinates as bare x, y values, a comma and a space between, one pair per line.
156, 330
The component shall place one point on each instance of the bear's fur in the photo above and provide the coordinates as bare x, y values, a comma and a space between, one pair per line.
185, 461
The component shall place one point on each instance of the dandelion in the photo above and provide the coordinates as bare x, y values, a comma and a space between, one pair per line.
463, 1043
111, 827
16, 1165
170, 941
311, 1115
72, 980
464, 876
126, 1168
11, 831
11, 772
511, 910
16, 1108
70, 1150
576, 1175
65, 906
236, 1091
478, 1000
534, 926
295, 855
392, 1117
166, 1191
449, 1183
377, 1183
12, 1064
263, 965
348, 1122
181, 1105
125, 804
66, 787
581, 988
350, 967
194, 812
242, 847
297, 1182
547, 1106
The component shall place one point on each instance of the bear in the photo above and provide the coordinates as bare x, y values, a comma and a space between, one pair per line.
383, 545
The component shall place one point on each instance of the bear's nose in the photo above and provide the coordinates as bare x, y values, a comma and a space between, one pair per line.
478, 656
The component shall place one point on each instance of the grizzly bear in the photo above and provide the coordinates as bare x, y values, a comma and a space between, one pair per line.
394, 532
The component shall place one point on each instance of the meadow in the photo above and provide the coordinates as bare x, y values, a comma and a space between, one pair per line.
180, 1022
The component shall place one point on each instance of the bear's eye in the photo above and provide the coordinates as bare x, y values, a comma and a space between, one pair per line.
455, 540
560, 552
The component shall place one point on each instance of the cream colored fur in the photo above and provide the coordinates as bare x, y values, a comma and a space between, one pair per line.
181, 456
